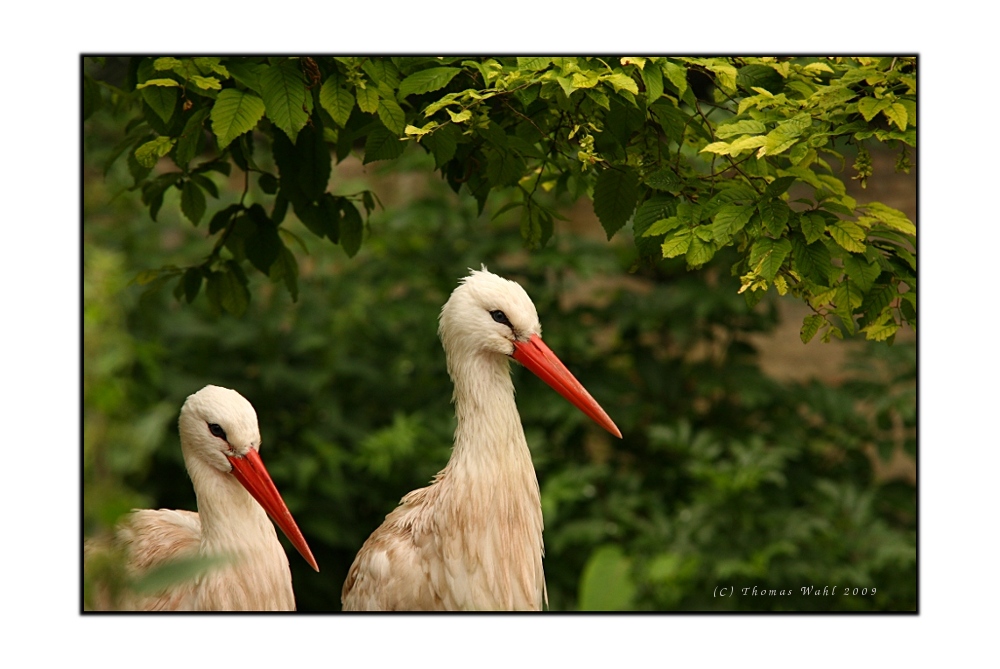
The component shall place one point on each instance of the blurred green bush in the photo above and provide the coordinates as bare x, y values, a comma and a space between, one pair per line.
725, 478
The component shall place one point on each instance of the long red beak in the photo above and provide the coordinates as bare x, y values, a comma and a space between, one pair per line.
250, 472
539, 358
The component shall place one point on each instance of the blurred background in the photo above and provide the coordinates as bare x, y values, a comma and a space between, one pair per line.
749, 459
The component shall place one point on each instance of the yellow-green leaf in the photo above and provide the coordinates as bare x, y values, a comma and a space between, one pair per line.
460, 117
677, 244
206, 83
153, 150
810, 325
367, 99
158, 82
892, 218
848, 235
622, 82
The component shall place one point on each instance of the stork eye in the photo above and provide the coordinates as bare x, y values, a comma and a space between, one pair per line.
217, 430
501, 317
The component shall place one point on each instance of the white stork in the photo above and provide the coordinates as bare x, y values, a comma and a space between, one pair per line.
220, 441
472, 540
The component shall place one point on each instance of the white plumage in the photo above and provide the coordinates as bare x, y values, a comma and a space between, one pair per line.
472, 540
220, 441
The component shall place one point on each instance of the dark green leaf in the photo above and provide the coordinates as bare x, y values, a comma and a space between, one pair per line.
192, 138
351, 229
286, 269
774, 215
503, 168
268, 183
382, 144
222, 218
312, 161
192, 202
192, 283
615, 195
861, 272
91, 97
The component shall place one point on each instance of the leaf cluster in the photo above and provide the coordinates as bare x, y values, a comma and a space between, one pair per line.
698, 154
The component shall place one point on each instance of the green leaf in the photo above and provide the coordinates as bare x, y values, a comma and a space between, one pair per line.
663, 179
810, 325
786, 134
729, 220
192, 283
161, 99
262, 245
848, 235
234, 113
621, 82
652, 79
861, 272
746, 127
169, 83
312, 157
662, 226
336, 100
699, 251
351, 229
606, 583
248, 74
767, 255
677, 75
503, 168
812, 261
813, 226
615, 195
425, 81
897, 114
206, 83
192, 202
443, 143
880, 331
774, 215
392, 115
227, 289
286, 269
382, 145
285, 97
192, 138
147, 154
869, 107
533, 63
893, 218
677, 243
176, 571
368, 99
779, 186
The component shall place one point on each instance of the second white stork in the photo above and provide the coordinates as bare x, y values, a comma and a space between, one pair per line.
220, 440
472, 540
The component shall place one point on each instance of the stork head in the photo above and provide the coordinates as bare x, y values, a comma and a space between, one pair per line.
218, 427
487, 314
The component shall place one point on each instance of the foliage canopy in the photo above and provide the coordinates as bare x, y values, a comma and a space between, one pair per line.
699, 154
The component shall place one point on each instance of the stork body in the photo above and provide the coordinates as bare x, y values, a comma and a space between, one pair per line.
220, 441
472, 540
